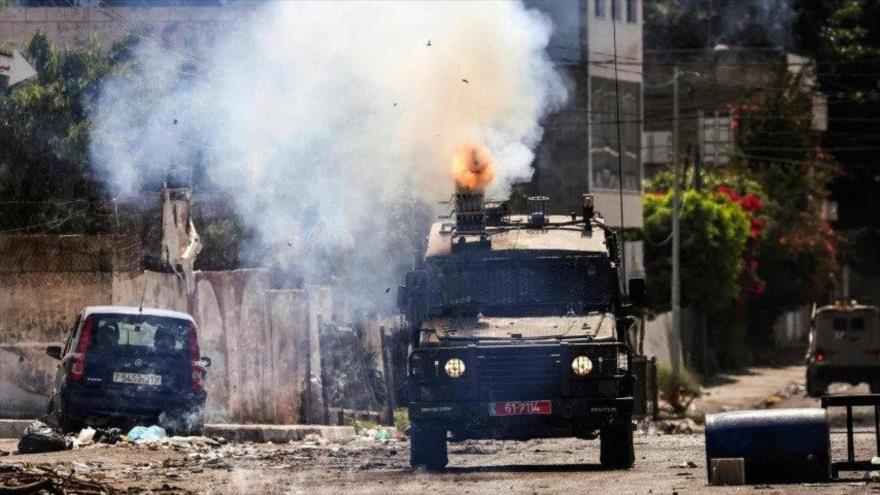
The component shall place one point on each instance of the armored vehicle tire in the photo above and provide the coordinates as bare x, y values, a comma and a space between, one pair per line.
815, 388
428, 448
616, 446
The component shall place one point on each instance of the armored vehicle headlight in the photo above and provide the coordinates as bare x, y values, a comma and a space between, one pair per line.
454, 368
582, 366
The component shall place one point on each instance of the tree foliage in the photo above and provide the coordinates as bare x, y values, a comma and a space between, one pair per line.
714, 231
46, 181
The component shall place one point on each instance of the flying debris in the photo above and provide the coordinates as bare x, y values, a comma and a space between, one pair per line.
428, 43
465, 81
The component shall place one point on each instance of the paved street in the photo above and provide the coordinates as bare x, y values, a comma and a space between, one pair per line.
370, 466
548, 466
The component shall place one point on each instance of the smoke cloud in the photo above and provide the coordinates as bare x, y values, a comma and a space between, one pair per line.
328, 123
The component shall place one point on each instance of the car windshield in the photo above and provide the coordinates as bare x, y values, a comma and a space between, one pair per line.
139, 334
539, 286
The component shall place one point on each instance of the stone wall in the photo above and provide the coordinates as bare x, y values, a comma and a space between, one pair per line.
263, 343
181, 27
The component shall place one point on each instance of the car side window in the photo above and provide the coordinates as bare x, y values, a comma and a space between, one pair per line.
840, 324
857, 324
70, 336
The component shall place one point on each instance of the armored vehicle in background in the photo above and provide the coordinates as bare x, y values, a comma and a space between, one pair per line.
844, 346
518, 330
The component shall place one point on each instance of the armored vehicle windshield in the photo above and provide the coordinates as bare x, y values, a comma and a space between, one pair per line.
521, 283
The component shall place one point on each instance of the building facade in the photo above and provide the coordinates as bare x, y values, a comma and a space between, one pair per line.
594, 143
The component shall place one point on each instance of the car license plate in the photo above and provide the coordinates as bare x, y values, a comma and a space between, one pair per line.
525, 408
137, 378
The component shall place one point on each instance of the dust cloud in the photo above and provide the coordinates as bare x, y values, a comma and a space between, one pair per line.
330, 124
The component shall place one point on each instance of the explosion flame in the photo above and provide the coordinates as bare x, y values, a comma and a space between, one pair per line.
473, 167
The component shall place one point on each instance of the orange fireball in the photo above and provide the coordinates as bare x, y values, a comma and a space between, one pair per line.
473, 167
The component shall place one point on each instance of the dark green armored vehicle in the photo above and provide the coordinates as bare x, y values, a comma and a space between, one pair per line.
518, 330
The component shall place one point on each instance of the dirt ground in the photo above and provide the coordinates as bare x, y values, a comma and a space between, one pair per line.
664, 463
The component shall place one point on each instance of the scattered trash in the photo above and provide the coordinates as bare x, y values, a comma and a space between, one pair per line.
873, 475
146, 434
645, 426
28, 480
40, 437
85, 437
80, 468
382, 434
108, 436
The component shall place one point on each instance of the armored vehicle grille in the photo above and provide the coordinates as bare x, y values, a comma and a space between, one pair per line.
519, 373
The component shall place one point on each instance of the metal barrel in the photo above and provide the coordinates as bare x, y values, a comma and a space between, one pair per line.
777, 445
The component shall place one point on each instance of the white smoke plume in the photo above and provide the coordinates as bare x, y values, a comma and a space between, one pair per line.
316, 117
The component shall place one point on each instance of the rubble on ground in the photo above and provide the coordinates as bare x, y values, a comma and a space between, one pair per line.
684, 426
28, 479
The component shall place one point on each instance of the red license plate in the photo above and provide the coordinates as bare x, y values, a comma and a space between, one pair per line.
525, 408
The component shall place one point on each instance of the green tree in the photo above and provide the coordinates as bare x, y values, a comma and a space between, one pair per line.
46, 182
844, 36
714, 231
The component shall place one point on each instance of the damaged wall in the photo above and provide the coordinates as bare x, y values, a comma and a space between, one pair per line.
264, 344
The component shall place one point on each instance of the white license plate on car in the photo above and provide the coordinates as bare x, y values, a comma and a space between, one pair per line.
137, 378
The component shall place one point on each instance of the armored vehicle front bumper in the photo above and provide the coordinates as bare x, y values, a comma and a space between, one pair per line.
525, 391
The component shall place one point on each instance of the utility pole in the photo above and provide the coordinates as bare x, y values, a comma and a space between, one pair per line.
675, 334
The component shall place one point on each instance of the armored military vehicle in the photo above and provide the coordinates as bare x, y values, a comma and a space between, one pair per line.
518, 330
844, 346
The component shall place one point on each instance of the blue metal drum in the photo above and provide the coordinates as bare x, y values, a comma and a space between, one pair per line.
777, 445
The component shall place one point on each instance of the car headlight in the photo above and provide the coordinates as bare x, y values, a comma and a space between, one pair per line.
454, 368
582, 366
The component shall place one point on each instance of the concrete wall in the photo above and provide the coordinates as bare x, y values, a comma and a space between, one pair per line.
193, 28
264, 344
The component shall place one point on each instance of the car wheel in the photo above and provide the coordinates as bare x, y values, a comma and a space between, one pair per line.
428, 448
616, 446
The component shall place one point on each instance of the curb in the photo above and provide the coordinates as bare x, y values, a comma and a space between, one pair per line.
13, 428
278, 433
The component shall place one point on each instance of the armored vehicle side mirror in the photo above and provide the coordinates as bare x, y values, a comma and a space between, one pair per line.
402, 298
638, 292
54, 351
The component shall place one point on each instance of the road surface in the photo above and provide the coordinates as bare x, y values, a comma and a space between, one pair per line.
665, 464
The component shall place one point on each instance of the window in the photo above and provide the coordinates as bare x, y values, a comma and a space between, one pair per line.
127, 334
632, 13
657, 146
857, 324
615, 9
715, 138
599, 8
839, 324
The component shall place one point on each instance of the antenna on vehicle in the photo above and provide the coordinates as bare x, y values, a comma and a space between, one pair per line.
143, 294
619, 148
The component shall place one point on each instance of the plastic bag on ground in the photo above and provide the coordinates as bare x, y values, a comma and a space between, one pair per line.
108, 435
86, 436
40, 437
146, 434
